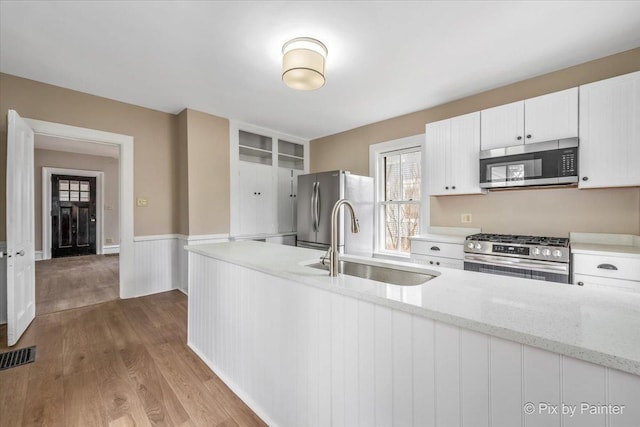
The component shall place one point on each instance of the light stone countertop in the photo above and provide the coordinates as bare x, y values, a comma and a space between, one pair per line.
455, 235
593, 325
620, 245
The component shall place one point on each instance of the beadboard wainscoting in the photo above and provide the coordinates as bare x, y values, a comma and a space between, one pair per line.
183, 256
299, 355
3, 285
160, 264
155, 264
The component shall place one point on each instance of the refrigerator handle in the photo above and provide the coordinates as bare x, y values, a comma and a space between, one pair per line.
313, 207
318, 202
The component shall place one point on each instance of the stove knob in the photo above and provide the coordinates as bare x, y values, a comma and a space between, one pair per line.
470, 245
557, 253
546, 252
478, 246
535, 251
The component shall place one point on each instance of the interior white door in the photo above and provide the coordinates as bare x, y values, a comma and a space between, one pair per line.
21, 295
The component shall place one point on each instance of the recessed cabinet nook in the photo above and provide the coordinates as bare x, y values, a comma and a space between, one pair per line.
265, 166
605, 115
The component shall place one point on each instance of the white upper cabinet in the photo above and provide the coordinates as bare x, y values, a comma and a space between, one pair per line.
503, 126
438, 152
452, 149
552, 116
544, 118
610, 132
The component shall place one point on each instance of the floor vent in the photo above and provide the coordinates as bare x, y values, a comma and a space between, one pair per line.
18, 357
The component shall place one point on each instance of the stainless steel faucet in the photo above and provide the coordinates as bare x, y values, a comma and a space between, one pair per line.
355, 227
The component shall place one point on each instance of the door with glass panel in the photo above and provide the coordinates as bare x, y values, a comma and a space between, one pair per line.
73, 215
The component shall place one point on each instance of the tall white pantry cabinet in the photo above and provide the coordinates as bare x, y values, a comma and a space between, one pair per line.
265, 165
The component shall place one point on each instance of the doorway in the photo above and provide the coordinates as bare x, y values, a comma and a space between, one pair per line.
21, 299
73, 215
78, 222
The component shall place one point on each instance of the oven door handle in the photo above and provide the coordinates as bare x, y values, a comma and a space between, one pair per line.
525, 265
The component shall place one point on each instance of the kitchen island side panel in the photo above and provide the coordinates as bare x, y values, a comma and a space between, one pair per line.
299, 355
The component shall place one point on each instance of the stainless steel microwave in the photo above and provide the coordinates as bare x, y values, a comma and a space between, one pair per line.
541, 163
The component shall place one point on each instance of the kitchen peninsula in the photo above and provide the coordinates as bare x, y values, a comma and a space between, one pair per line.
302, 348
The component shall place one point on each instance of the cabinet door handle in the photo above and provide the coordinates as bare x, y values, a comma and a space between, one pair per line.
519, 138
437, 262
446, 188
528, 136
453, 188
431, 262
585, 178
580, 283
435, 248
607, 267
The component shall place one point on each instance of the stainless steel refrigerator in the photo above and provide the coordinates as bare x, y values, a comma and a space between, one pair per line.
317, 193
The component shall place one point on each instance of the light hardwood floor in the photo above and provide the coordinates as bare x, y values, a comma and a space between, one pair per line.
72, 282
119, 363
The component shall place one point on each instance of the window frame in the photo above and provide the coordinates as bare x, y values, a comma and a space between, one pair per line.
377, 153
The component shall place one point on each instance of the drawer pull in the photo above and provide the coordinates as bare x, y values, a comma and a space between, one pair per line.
607, 267
435, 248
580, 283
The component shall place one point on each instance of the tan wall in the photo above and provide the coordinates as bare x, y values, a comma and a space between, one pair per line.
546, 212
208, 173
155, 142
520, 211
183, 175
108, 165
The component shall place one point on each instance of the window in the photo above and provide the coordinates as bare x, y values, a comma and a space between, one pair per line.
74, 191
399, 181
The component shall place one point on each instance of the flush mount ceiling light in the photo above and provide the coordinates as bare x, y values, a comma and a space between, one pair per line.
303, 63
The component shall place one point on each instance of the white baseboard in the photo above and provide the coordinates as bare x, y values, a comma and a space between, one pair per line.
110, 249
183, 291
38, 255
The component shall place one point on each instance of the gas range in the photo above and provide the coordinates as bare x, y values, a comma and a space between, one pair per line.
531, 247
533, 257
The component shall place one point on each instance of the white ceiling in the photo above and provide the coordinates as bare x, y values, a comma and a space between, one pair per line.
385, 58
47, 142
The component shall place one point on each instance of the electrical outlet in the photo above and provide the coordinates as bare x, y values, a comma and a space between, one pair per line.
466, 218
141, 202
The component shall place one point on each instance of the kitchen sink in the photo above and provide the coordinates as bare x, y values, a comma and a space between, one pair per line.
379, 274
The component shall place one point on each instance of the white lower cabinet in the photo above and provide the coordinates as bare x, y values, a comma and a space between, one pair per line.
255, 198
603, 283
438, 261
287, 199
606, 271
448, 255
